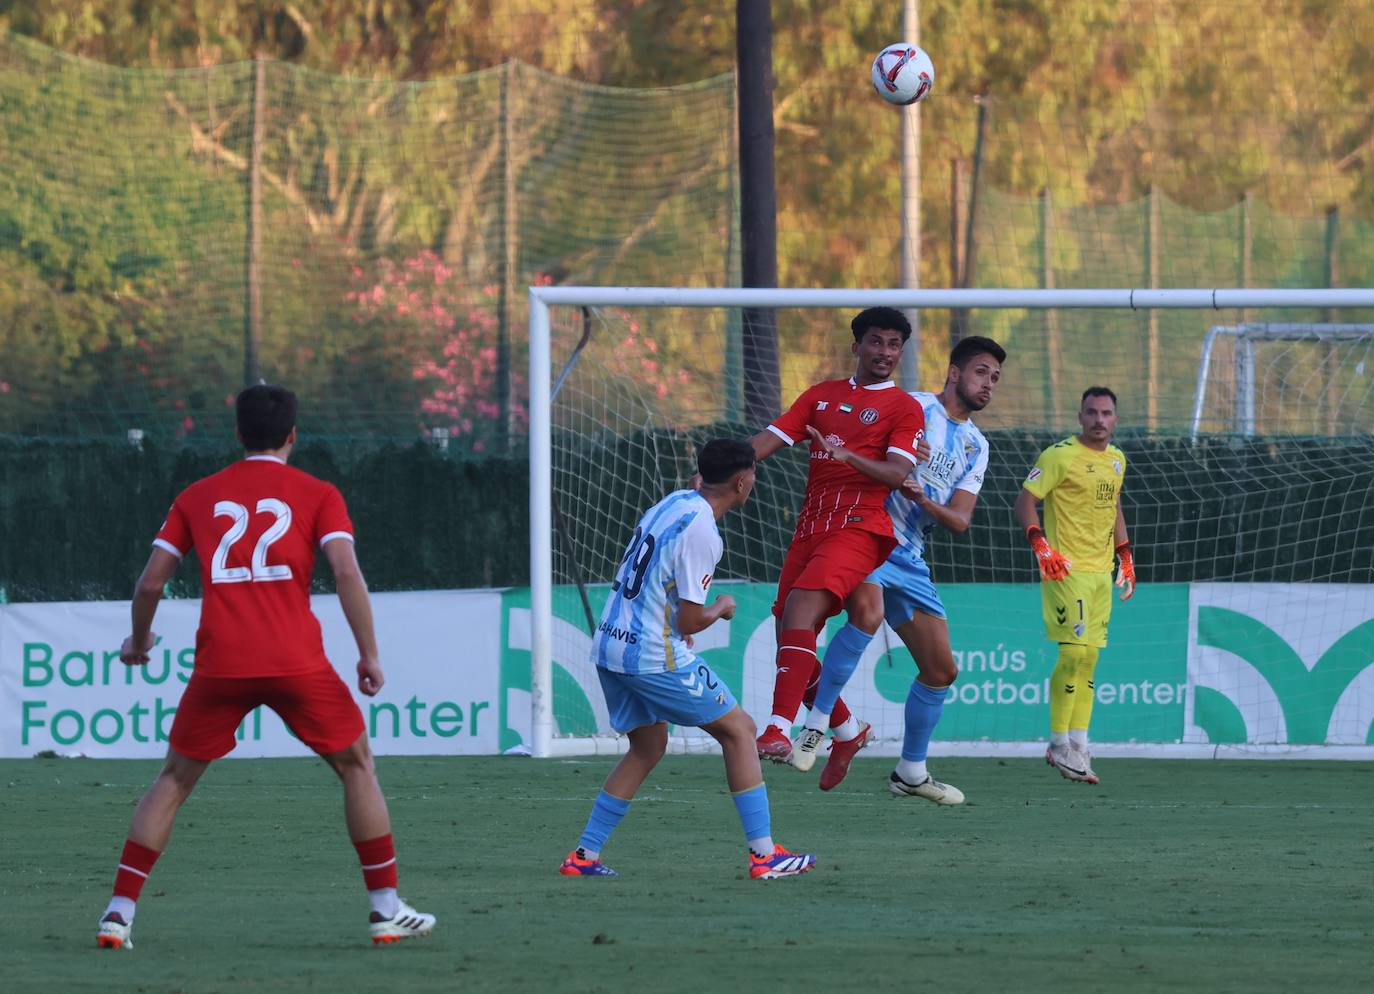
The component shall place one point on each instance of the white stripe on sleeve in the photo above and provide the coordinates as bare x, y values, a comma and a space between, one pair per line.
162, 543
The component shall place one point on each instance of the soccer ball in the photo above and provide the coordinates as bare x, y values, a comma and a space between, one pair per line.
903, 74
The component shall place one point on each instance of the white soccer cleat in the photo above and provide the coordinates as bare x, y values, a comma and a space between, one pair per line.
406, 923
1070, 763
806, 747
114, 933
929, 788
1087, 758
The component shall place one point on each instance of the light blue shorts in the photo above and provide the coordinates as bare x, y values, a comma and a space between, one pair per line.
907, 588
691, 695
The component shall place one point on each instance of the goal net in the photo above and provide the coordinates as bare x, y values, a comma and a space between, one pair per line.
1252, 630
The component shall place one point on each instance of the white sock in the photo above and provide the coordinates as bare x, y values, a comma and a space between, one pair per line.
817, 721
1078, 738
762, 846
848, 730
384, 901
591, 854
912, 770
124, 907
782, 724
1059, 738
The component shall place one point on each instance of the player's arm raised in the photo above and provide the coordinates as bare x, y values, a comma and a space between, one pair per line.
890, 472
1125, 569
147, 595
787, 429
1053, 566
765, 443
357, 609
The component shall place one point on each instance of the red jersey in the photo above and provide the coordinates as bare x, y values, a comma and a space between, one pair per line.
255, 527
870, 421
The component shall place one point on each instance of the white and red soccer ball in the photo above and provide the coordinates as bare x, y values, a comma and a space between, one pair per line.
903, 74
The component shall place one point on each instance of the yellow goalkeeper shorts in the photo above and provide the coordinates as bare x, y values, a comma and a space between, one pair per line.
1078, 608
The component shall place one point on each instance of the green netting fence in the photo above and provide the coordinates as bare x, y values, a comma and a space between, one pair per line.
78, 515
167, 236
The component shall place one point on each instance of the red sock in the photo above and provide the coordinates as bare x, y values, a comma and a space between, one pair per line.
378, 857
135, 863
796, 665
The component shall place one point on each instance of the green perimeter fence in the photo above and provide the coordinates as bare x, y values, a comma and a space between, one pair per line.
77, 517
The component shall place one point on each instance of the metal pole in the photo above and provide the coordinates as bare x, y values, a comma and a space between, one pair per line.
252, 321
1247, 249
1331, 358
510, 243
1052, 346
758, 207
960, 325
1152, 318
911, 207
1200, 393
958, 209
541, 530
1119, 298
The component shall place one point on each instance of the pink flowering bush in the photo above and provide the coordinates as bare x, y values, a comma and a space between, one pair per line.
446, 334
449, 334
637, 356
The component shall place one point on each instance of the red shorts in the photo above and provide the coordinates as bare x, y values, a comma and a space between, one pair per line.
316, 706
835, 561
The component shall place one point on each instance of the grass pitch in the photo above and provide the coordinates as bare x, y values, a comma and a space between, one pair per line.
1179, 876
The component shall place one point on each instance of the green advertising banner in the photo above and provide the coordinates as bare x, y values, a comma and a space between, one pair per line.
1281, 662
996, 633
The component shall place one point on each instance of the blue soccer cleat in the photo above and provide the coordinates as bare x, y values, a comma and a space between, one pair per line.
780, 864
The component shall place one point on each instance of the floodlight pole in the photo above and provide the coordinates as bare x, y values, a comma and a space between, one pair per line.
911, 207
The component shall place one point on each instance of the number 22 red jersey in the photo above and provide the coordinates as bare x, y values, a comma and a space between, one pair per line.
255, 527
870, 421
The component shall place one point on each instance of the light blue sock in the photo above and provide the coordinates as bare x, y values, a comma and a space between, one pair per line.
841, 660
606, 814
752, 806
924, 705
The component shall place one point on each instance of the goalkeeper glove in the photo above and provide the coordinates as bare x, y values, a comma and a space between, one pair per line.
1053, 566
1125, 570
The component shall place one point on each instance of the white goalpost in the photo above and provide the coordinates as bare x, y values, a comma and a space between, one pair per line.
1232, 700
1254, 386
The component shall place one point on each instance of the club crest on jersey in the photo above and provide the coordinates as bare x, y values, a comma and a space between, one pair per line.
868, 415
1034, 474
1116, 465
845, 408
1079, 629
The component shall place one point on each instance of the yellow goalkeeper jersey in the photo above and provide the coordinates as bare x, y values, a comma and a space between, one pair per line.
1080, 487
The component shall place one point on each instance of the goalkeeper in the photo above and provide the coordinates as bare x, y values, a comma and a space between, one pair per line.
1079, 479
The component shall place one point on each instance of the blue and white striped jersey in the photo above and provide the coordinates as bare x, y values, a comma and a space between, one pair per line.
958, 460
671, 558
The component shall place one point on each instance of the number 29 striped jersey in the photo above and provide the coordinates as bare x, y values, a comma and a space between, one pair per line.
671, 558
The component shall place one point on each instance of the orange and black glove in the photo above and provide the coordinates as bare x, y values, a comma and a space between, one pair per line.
1125, 570
1053, 566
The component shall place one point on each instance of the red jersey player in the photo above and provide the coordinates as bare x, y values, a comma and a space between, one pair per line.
864, 434
255, 527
